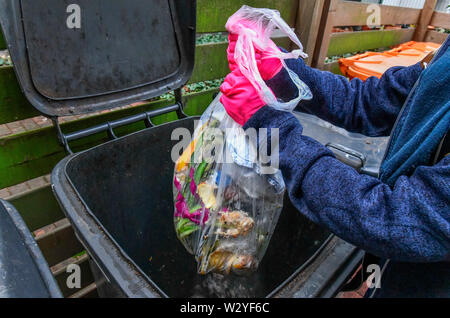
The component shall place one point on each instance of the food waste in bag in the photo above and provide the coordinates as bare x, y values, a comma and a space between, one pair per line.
228, 200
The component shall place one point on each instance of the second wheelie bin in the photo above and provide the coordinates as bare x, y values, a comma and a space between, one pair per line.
24, 273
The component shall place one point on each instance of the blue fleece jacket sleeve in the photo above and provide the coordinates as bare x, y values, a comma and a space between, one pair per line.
410, 222
369, 107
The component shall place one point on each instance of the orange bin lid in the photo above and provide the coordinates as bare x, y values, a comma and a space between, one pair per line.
370, 64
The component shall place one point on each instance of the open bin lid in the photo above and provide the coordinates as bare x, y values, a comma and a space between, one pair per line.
80, 56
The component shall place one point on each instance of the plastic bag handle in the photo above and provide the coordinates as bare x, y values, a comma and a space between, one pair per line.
245, 53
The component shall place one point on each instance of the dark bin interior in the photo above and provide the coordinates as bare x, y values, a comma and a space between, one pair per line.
126, 185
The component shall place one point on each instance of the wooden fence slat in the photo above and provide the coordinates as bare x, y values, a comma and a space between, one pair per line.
353, 13
59, 243
328, 20
38, 207
2, 41
436, 37
86, 292
440, 20
347, 42
32, 154
89, 291
61, 267
307, 25
211, 60
333, 68
213, 14
424, 20
13, 104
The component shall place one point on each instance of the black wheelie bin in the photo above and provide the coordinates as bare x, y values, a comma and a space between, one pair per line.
118, 195
24, 272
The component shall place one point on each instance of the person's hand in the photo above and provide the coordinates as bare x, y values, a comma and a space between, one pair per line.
268, 66
239, 97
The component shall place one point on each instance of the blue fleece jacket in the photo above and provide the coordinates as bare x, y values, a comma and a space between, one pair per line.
408, 222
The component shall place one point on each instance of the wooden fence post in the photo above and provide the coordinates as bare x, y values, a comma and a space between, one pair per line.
307, 25
325, 30
424, 20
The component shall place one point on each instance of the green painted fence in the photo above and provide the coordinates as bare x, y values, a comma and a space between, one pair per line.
347, 42
38, 207
13, 104
2, 41
213, 14
211, 60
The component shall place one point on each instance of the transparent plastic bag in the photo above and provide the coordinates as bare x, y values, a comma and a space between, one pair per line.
227, 201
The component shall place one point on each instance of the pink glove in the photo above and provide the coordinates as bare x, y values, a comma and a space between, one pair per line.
239, 98
268, 67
